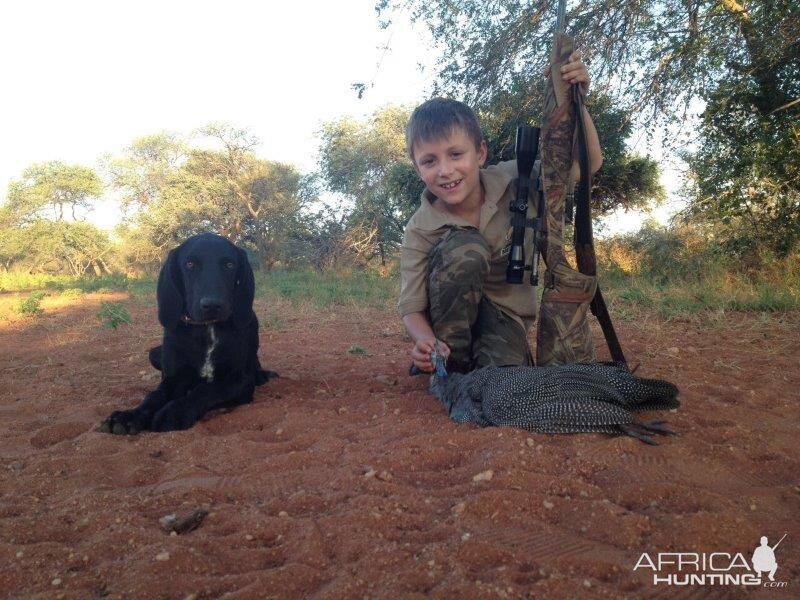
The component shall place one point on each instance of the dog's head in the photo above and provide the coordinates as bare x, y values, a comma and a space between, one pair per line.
205, 280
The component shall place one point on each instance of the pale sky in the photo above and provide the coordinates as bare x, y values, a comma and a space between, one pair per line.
82, 79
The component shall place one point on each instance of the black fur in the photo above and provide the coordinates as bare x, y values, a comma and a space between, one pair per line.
205, 296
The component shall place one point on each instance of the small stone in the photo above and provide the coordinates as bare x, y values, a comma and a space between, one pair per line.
184, 523
465, 536
248, 537
283, 514
386, 380
279, 431
370, 474
584, 494
56, 581
167, 521
162, 556
673, 350
459, 508
548, 505
20, 554
384, 476
191, 596
587, 583
531, 443
396, 411
753, 507
483, 476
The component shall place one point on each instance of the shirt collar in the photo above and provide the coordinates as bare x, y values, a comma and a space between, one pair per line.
495, 181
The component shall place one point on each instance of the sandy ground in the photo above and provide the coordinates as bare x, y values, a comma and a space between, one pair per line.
345, 479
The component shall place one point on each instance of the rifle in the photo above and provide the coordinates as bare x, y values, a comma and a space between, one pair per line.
563, 335
584, 244
779, 542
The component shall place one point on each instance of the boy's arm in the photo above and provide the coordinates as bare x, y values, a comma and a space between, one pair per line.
413, 299
419, 328
593, 145
574, 71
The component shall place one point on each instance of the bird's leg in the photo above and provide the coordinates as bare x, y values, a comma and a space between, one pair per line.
658, 427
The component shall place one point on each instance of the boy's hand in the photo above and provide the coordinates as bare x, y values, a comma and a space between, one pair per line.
573, 71
421, 353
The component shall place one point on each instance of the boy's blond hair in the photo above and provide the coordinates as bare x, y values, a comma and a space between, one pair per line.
436, 119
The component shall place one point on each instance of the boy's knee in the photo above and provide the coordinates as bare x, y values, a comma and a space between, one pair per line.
462, 252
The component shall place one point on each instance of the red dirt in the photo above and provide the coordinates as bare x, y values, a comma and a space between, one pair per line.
338, 483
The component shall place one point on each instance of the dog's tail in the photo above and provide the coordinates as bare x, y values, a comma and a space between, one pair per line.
263, 376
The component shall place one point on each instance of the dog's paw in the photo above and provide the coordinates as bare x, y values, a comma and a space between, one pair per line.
263, 376
173, 417
126, 422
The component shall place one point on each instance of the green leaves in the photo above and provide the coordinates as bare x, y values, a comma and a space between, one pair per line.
46, 189
113, 314
177, 190
366, 163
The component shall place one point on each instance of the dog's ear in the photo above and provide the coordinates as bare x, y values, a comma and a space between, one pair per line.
243, 292
170, 292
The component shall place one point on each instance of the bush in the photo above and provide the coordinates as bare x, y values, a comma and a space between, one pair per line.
31, 305
113, 314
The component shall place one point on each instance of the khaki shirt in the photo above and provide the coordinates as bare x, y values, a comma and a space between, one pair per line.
427, 226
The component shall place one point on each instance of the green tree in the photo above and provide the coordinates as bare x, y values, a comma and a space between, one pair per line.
658, 61
178, 190
367, 164
145, 168
46, 246
33, 232
52, 186
625, 180
655, 56
745, 177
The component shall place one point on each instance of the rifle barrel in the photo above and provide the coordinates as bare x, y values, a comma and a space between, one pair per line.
779, 541
562, 13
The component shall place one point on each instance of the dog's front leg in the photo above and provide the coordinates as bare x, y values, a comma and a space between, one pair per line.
130, 422
185, 411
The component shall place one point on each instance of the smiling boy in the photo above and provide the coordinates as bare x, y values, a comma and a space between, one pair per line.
455, 248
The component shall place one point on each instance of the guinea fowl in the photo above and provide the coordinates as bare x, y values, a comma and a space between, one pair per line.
571, 398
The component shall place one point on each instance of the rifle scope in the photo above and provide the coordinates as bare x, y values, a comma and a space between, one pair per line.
526, 149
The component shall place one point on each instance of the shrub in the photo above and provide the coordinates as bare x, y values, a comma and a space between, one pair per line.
113, 314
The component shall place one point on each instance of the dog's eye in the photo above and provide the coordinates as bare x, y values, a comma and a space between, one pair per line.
230, 265
190, 264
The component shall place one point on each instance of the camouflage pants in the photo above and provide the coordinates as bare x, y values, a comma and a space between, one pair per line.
477, 332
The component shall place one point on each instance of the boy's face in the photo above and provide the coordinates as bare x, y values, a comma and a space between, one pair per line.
450, 167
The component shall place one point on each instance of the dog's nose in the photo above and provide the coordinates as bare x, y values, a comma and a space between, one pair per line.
210, 307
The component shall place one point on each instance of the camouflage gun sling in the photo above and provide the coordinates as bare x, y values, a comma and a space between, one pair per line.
563, 334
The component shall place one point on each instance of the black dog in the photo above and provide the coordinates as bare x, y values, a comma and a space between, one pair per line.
209, 355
